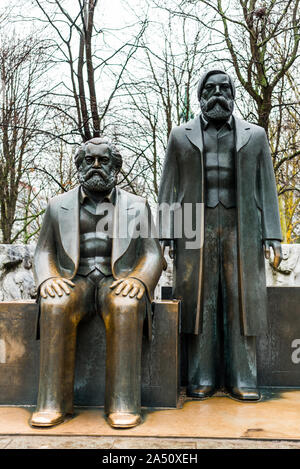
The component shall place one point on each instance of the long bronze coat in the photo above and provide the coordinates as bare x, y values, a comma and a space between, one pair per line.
57, 252
257, 212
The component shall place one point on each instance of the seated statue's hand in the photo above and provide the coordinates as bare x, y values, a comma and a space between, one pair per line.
129, 287
56, 287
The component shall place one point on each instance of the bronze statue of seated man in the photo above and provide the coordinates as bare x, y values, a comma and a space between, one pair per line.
96, 254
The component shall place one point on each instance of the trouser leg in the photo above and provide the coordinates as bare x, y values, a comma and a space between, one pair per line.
240, 350
58, 327
203, 349
123, 318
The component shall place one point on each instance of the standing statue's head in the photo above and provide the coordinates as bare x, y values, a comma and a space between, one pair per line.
98, 163
216, 93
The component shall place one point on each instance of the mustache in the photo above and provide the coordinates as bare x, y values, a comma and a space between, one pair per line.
225, 103
96, 172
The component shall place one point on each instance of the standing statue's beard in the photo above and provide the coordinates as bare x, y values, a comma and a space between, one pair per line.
216, 108
96, 180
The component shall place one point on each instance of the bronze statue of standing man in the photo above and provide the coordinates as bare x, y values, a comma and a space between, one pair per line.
95, 255
224, 163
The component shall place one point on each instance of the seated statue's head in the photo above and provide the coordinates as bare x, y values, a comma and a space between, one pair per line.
216, 93
98, 163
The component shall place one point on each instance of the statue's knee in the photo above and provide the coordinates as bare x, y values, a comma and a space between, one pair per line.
124, 316
122, 302
57, 304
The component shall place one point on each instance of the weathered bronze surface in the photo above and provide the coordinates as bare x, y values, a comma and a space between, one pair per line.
19, 353
160, 360
224, 163
278, 353
19, 357
91, 259
279, 346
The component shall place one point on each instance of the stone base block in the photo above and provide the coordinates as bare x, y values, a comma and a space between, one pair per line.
278, 354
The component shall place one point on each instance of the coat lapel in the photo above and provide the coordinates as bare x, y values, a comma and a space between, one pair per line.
125, 216
194, 133
69, 224
243, 133
123, 224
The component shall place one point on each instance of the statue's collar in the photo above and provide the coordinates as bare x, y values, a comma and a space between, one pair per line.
110, 197
242, 130
205, 123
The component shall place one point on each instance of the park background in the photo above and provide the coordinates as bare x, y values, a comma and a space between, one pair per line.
128, 69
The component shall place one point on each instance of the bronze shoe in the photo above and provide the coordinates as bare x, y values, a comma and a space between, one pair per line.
201, 392
123, 420
244, 394
46, 418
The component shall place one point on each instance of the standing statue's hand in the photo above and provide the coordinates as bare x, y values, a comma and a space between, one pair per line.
56, 287
171, 243
129, 287
172, 249
276, 246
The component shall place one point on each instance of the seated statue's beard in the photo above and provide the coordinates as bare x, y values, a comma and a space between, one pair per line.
216, 108
96, 182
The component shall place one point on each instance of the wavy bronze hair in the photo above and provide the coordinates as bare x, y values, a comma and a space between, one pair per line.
114, 152
206, 75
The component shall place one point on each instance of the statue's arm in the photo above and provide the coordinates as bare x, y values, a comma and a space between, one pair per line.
146, 272
168, 196
45, 264
168, 192
268, 199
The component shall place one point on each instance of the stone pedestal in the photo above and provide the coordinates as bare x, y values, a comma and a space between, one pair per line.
279, 349
278, 353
